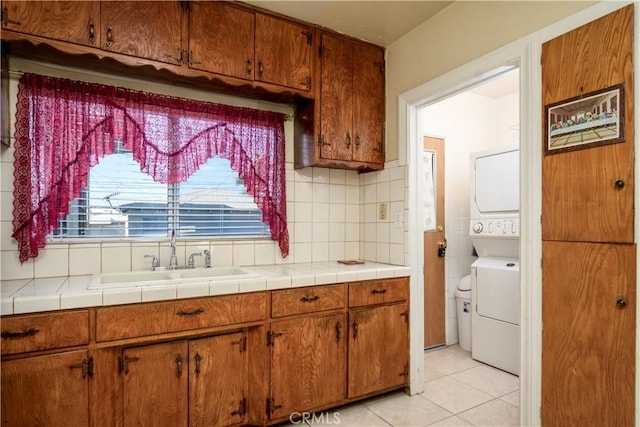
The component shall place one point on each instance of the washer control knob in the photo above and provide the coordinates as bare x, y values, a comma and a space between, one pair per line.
477, 227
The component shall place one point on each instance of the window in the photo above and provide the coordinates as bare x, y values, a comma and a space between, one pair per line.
121, 201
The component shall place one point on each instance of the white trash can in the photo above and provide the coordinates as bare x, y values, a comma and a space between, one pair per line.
463, 304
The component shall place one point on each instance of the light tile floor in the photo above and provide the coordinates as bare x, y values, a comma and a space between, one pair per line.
459, 391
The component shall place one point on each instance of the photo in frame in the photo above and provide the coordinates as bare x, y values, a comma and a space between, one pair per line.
591, 119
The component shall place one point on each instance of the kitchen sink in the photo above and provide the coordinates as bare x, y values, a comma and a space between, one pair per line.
165, 276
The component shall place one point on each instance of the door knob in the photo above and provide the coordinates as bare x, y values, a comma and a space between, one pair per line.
621, 303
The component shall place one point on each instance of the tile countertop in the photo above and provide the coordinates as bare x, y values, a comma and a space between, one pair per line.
60, 293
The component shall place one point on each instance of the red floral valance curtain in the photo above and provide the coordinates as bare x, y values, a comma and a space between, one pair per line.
64, 127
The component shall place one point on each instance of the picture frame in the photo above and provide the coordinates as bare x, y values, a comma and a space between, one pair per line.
585, 121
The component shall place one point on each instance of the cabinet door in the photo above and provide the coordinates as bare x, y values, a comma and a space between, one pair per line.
218, 375
378, 349
48, 390
146, 29
221, 39
368, 104
308, 364
70, 21
155, 384
283, 52
336, 98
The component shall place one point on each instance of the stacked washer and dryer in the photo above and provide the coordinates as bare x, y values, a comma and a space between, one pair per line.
495, 275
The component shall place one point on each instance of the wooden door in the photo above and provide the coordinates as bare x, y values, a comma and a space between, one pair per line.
70, 21
336, 98
283, 52
580, 198
589, 259
149, 29
588, 357
218, 377
155, 384
308, 363
48, 390
368, 104
378, 349
434, 275
221, 39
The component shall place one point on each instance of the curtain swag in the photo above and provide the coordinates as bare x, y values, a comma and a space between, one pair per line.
64, 127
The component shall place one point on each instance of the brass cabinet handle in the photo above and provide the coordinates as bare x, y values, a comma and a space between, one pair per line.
197, 358
338, 331
249, 69
28, 333
310, 299
378, 291
190, 313
348, 140
109, 42
92, 32
260, 69
178, 365
357, 141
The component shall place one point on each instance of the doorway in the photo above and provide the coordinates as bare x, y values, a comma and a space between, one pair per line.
483, 115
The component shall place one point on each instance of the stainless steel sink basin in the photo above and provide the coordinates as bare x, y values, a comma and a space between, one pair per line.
166, 276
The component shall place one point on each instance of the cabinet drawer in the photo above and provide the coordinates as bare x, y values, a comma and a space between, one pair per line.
137, 320
306, 300
378, 292
32, 332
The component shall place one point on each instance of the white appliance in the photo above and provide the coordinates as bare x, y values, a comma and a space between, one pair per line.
495, 275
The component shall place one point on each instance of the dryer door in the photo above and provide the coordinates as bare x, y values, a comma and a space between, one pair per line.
498, 289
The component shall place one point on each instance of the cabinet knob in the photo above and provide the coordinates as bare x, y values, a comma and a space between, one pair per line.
621, 303
619, 184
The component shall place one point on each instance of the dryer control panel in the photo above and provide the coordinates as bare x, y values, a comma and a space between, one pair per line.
499, 228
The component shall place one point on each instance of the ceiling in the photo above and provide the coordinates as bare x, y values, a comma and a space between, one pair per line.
378, 22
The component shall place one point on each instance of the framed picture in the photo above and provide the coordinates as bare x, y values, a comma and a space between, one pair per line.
592, 119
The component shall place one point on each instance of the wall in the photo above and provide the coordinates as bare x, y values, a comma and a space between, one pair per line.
324, 209
460, 33
468, 123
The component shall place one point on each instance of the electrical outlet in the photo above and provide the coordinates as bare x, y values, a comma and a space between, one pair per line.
382, 212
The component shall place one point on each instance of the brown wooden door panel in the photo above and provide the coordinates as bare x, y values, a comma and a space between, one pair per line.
218, 373
39, 391
434, 271
149, 29
580, 201
368, 105
70, 21
378, 349
283, 52
588, 357
155, 385
336, 104
221, 39
308, 363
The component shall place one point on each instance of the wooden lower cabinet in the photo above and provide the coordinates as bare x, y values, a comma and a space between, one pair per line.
51, 390
308, 364
197, 382
378, 349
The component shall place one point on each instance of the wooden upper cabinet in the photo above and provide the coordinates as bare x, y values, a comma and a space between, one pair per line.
351, 104
70, 21
221, 39
283, 52
368, 104
148, 29
336, 98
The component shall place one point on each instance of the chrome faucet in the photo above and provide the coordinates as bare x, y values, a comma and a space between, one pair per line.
173, 263
154, 261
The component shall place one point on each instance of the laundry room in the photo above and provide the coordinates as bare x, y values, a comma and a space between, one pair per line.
476, 120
